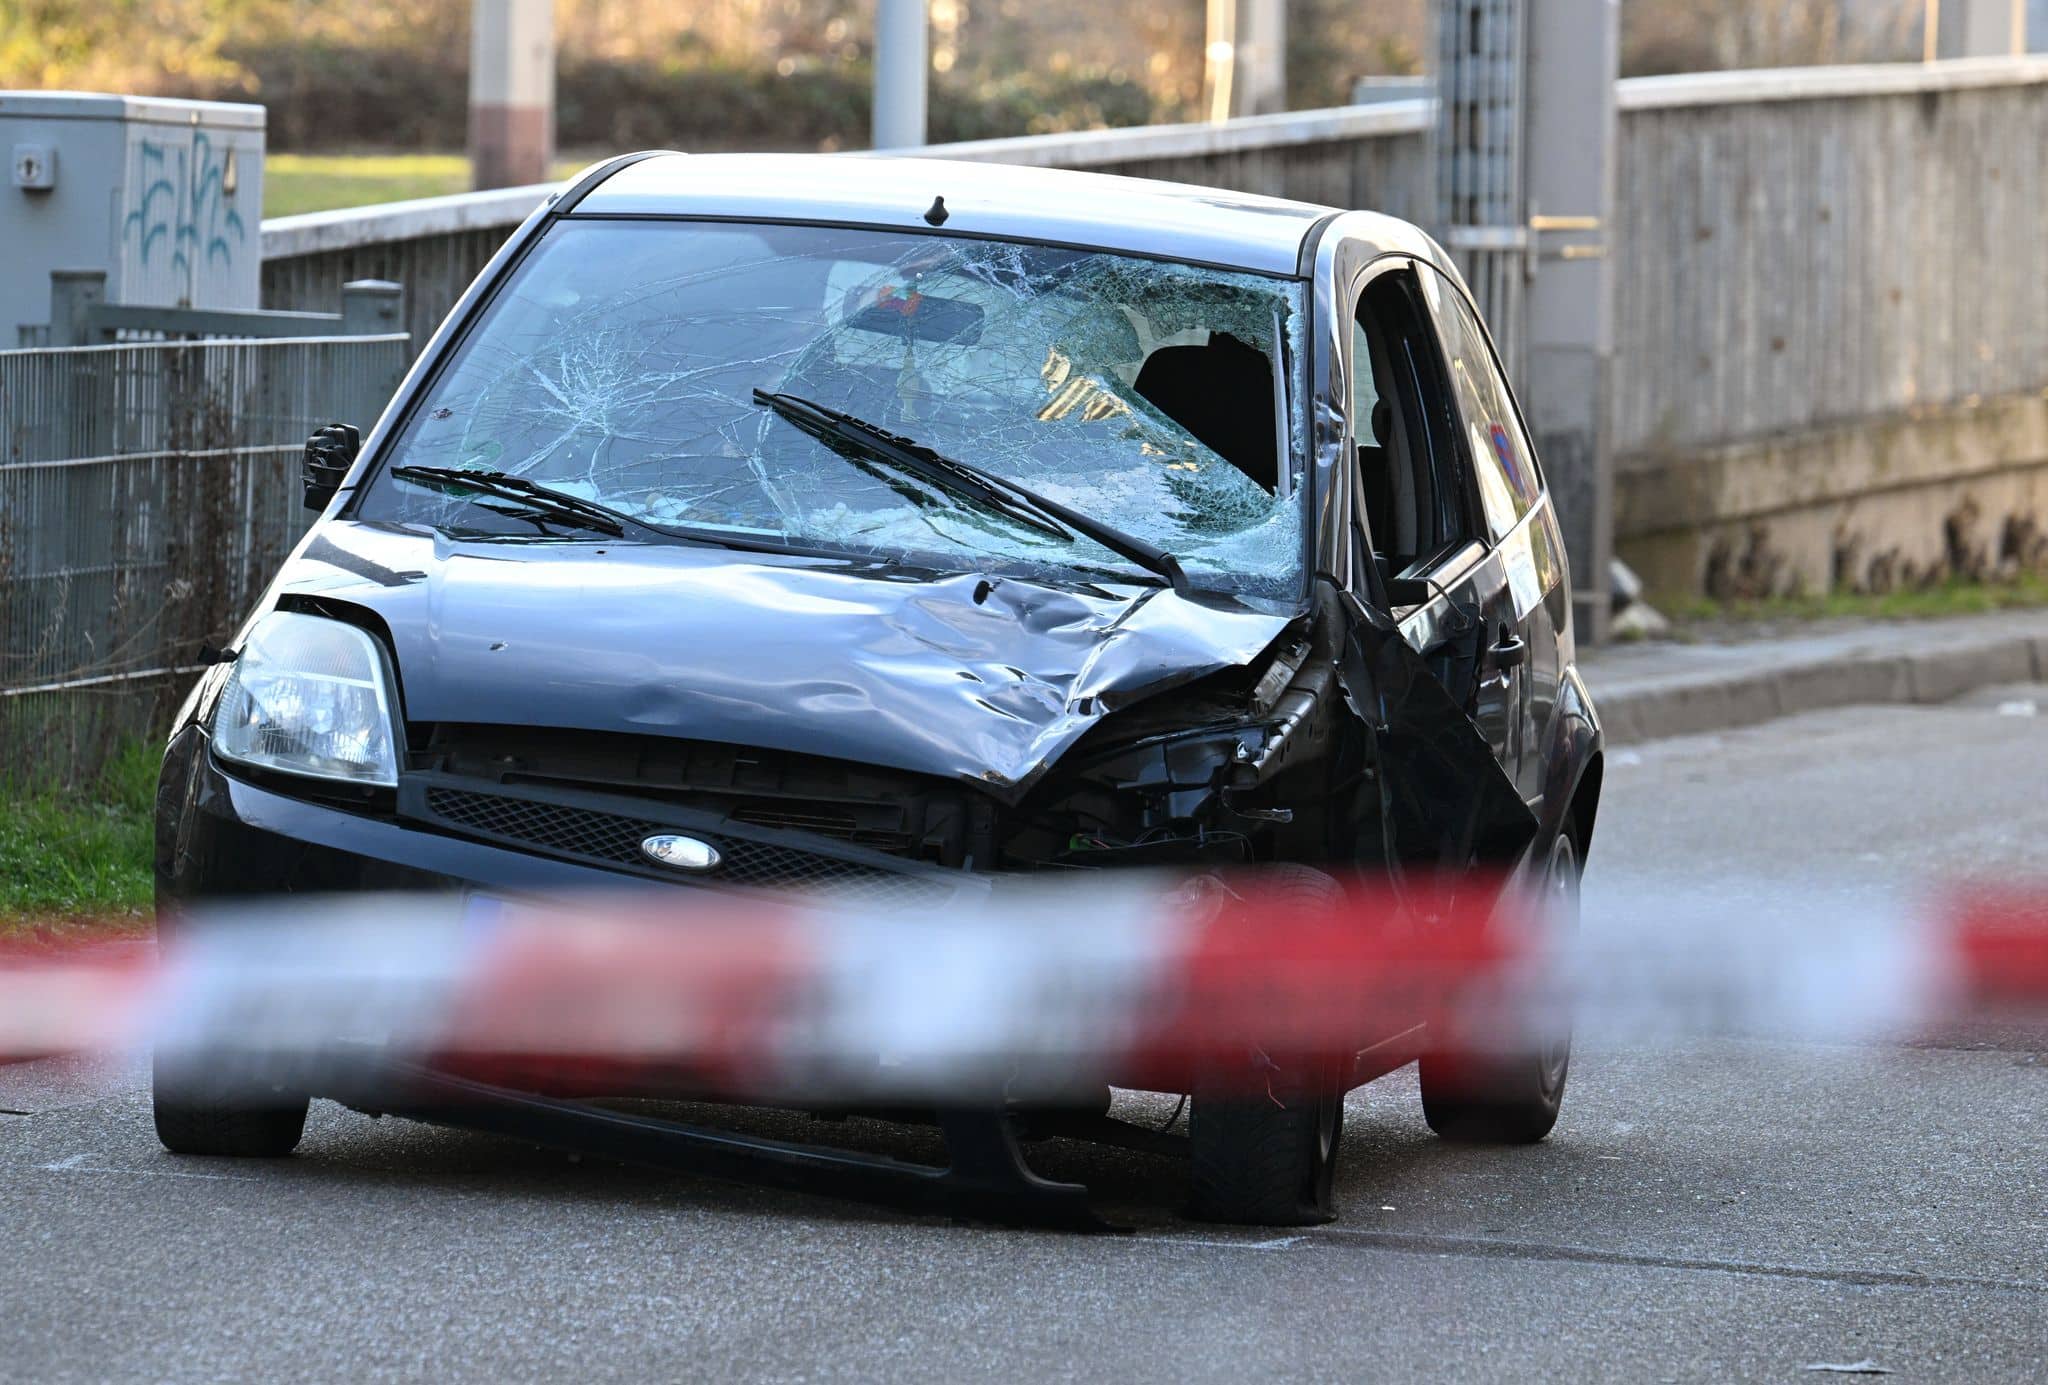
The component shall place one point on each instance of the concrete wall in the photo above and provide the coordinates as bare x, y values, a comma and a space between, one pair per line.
1831, 325
1831, 300
433, 246
1351, 157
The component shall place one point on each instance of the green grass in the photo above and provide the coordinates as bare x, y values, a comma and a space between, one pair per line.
1954, 598
70, 857
294, 183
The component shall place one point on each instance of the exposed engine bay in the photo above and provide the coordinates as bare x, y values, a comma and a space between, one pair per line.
1269, 761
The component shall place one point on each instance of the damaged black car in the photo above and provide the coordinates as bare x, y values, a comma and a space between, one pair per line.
899, 527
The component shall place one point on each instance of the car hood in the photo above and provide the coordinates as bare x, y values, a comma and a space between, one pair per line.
988, 679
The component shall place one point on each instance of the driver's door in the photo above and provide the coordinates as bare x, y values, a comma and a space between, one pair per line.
1429, 594
1418, 512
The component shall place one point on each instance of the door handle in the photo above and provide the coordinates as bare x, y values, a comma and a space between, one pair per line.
1509, 652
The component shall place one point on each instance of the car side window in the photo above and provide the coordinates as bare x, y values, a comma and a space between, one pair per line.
1502, 460
1411, 483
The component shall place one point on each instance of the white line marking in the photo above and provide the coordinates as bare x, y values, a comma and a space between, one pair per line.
76, 1164
1277, 1243
167, 1173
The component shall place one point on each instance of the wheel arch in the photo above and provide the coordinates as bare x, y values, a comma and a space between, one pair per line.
1585, 801
1576, 760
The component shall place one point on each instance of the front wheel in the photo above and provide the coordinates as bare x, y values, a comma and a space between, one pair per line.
198, 1112
1263, 1135
1509, 1097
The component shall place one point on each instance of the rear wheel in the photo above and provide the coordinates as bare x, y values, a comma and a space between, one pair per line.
198, 1112
1509, 1097
1264, 1133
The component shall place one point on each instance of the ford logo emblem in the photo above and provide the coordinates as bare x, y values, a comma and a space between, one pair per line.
680, 853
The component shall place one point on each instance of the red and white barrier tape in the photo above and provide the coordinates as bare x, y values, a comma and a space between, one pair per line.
1129, 978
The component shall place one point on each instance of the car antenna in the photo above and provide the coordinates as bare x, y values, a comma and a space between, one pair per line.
937, 212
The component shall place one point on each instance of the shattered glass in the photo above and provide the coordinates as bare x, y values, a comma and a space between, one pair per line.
620, 365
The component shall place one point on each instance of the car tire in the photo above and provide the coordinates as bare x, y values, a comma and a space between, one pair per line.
1508, 1098
196, 1113
1264, 1134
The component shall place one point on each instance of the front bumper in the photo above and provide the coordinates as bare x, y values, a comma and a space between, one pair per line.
219, 835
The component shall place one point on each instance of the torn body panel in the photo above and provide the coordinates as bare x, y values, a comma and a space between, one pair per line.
950, 675
1446, 801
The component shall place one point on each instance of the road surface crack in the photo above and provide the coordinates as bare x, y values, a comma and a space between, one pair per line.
1477, 1248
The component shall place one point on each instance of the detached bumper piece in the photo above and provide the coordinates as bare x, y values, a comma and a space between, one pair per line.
987, 1179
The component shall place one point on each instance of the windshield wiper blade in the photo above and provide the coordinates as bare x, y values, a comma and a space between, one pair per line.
828, 424
544, 501
997, 491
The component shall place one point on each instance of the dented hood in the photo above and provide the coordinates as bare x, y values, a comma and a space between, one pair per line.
800, 654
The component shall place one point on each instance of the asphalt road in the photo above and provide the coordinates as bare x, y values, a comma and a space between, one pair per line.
1736, 1209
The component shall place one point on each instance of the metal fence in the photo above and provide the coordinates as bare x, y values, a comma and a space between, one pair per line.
148, 492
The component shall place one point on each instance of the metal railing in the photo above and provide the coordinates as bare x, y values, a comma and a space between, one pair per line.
148, 492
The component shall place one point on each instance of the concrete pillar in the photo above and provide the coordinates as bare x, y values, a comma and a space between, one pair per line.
372, 308
1261, 85
1979, 28
903, 64
1245, 57
511, 92
1219, 58
73, 295
1574, 49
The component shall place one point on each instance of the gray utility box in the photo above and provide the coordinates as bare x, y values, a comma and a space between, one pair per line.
165, 196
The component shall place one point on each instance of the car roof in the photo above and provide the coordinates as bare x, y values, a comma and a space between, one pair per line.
1060, 206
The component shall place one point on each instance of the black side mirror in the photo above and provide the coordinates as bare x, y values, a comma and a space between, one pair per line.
330, 452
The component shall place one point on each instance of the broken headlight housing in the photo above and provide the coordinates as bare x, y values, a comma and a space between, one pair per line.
309, 696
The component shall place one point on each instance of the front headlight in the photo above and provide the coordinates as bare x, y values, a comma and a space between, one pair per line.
310, 696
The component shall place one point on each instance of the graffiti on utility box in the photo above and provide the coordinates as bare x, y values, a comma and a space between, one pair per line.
185, 213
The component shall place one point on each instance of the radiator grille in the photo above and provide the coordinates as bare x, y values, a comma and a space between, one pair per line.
826, 820
614, 838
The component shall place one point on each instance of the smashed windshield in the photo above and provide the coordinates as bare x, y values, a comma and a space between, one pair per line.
621, 367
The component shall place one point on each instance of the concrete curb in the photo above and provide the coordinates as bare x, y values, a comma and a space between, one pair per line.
1650, 692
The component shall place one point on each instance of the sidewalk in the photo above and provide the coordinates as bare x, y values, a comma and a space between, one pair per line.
1660, 688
